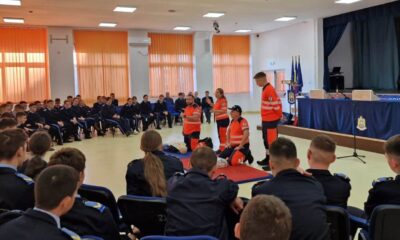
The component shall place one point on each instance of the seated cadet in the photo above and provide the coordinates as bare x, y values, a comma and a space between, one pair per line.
180, 104
303, 195
146, 112
16, 190
92, 116
161, 112
191, 123
114, 101
264, 218
320, 155
128, 113
237, 149
68, 117
39, 144
168, 99
57, 127
148, 176
196, 204
109, 112
85, 217
97, 106
85, 123
55, 190
34, 120
386, 190
57, 104
21, 118
7, 123
19, 108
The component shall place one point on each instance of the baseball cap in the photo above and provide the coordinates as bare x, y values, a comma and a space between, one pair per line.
236, 108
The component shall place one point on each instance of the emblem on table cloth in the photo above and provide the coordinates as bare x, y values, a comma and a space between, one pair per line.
361, 123
291, 97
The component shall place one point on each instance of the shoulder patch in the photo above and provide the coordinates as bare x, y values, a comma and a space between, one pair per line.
342, 176
220, 177
381, 180
27, 179
71, 234
100, 207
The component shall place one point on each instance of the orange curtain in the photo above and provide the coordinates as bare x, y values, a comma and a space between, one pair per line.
231, 63
23, 64
102, 63
170, 63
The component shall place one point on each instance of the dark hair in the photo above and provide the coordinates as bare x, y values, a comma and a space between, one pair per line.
50, 101
112, 94
392, 146
324, 143
7, 115
33, 167
134, 97
22, 102
7, 123
19, 107
161, 95
69, 156
20, 114
57, 100
203, 158
10, 141
39, 143
266, 210
260, 75
69, 97
145, 95
54, 184
283, 147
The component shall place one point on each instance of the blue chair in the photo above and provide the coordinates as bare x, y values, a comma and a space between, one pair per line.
146, 213
179, 238
383, 224
339, 223
173, 112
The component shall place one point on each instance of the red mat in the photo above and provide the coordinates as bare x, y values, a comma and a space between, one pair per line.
239, 174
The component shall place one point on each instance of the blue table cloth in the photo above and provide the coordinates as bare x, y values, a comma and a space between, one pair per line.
382, 117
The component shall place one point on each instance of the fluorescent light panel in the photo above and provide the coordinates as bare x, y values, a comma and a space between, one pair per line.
104, 24
10, 2
347, 1
13, 20
214, 15
285, 19
243, 31
181, 28
124, 9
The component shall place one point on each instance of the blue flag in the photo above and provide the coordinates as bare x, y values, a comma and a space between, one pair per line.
293, 78
299, 77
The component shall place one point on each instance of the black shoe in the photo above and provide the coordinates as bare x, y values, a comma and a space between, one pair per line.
266, 168
77, 139
158, 128
250, 159
67, 140
60, 142
87, 136
264, 162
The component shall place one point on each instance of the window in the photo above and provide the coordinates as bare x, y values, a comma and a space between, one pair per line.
231, 63
102, 63
23, 64
170, 64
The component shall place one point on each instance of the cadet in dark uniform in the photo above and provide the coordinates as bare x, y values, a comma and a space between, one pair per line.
57, 127
114, 100
85, 217
386, 190
161, 111
128, 113
320, 155
109, 112
68, 117
54, 192
144, 176
196, 203
180, 104
146, 112
81, 115
16, 190
303, 195
207, 107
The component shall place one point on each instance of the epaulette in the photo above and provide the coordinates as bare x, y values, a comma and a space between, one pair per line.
221, 177
100, 207
381, 179
342, 176
71, 234
179, 174
27, 179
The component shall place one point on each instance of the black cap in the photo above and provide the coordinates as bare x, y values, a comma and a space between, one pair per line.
236, 108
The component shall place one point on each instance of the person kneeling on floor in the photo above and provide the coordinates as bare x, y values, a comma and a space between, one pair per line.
237, 149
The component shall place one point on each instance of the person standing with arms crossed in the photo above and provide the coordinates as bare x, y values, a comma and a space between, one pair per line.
271, 114
191, 123
220, 109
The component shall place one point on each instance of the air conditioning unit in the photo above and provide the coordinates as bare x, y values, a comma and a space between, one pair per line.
139, 42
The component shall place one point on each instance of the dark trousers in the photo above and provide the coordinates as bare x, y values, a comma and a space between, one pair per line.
122, 124
207, 113
146, 121
132, 123
189, 139
269, 133
56, 132
160, 116
228, 152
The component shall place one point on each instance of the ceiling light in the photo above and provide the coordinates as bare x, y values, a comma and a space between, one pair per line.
243, 31
285, 19
124, 9
214, 15
10, 2
107, 24
13, 20
347, 1
181, 28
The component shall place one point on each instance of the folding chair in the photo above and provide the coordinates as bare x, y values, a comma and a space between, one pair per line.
339, 223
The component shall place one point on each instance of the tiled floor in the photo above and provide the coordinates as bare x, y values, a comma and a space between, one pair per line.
107, 158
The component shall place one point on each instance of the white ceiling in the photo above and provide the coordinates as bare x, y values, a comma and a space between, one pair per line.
257, 15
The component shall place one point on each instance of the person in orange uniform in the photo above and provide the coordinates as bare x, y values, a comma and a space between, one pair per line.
271, 114
237, 149
191, 123
220, 109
